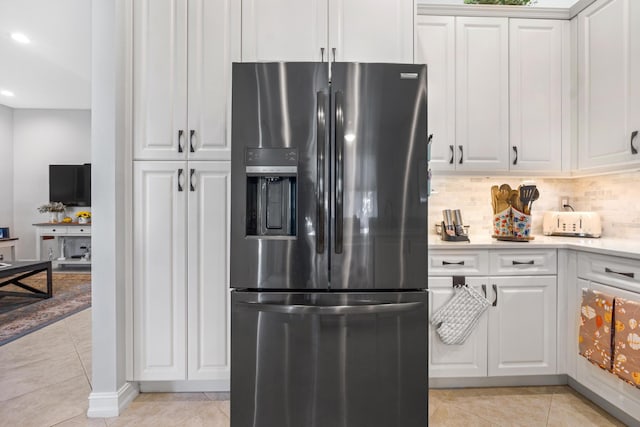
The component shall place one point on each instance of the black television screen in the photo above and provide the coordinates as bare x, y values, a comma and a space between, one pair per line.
70, 184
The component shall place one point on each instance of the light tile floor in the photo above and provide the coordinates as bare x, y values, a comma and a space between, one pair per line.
45, 379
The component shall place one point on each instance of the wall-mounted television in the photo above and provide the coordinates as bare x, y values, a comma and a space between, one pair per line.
70, 184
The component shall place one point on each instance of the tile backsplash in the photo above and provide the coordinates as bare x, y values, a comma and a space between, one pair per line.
616, 197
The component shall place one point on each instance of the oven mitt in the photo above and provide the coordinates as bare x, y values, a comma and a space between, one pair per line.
455, 320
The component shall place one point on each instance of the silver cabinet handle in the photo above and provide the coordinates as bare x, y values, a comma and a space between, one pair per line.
321, 54
514, 262
180, 134
339, 170
320, 166
634, 150
191, 186
452, 152
608, 270
180, 179
461, 154
191, 135
515, 151
332, 310
495, 291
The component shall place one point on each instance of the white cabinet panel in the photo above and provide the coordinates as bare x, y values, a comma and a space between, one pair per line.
214, 43
435, 46
535, 58
159, 79
522, 326
159, 271
608, 66
482, 94
284, 30
364, 32
208, 317
468, 359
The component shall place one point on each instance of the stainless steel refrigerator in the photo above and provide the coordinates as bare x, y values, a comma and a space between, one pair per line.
328, 245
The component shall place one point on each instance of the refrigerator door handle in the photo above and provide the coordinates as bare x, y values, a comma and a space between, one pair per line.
339, 172
320, 168
332, 310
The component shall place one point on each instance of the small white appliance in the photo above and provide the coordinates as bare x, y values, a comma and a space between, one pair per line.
577, 224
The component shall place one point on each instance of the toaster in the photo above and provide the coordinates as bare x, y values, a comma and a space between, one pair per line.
578, 224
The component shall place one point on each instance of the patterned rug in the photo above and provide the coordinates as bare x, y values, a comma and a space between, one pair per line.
20, 316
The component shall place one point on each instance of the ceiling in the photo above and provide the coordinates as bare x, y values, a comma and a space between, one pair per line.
54, 70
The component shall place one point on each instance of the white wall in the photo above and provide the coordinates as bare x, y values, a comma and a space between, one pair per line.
41, 138
6, 170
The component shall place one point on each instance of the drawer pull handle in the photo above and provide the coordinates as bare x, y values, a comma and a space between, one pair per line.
484, 290
495, 291
608, 270
452, 263
531, 262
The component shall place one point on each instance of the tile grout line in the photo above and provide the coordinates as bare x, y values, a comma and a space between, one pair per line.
75, 347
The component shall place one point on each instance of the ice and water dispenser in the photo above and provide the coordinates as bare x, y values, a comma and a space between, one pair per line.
271, 192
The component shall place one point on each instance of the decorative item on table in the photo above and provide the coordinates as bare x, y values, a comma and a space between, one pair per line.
5, 233
84, 217
512, 211
54, 209
452, 229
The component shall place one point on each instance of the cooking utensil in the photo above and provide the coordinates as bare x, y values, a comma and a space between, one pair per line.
495, 190
514, 200
526, 194
503, 198
536, 196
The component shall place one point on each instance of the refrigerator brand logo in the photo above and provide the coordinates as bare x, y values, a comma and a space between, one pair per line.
408, 75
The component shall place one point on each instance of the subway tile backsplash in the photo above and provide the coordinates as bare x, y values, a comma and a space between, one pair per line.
616, 197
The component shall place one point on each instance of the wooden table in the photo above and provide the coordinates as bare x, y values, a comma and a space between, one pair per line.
28, 268
10, 243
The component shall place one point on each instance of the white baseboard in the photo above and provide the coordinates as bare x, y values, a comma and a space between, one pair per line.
192, 386
111, 404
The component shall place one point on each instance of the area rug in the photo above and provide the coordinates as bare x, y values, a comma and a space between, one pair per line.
21, 316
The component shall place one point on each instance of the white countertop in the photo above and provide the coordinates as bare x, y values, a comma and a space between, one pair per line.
607, 246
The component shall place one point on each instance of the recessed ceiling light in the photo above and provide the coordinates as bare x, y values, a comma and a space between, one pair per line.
7, 93
20, 38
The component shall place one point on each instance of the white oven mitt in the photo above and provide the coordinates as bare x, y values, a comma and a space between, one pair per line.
455, 320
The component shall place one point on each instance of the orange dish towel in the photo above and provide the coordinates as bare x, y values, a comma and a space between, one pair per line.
596, 314
626, 351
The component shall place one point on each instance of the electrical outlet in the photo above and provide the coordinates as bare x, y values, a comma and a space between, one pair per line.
564, 200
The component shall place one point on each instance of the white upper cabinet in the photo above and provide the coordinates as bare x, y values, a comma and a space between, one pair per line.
482, 94
159, 79
284, 30
365, 31
608, 87
310, 30
535, 59
182, 54
435, 40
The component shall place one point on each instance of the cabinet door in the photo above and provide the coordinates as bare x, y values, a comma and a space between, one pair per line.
608, 91
208, 260
435, 46
535, 58
284, 30
468, 359
159, 273
482, 94
361, 32
159, 79
522, 326
214, 43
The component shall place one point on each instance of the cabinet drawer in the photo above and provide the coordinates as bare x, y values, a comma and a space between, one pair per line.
620, 272
53, 229
80, 230
526, 262
457, 262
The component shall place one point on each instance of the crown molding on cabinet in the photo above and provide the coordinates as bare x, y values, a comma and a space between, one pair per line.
495, 11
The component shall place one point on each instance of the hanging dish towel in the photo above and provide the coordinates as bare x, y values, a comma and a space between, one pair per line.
626, 343
455, 320
596, 314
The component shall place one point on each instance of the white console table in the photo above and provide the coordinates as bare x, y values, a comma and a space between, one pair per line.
61, 232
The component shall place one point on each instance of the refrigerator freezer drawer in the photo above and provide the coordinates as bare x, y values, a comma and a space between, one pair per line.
329, 359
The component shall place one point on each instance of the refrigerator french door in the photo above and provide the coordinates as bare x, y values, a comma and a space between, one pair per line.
328, 245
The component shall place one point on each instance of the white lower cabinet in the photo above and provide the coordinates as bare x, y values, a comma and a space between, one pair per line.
180, 273
517, 334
